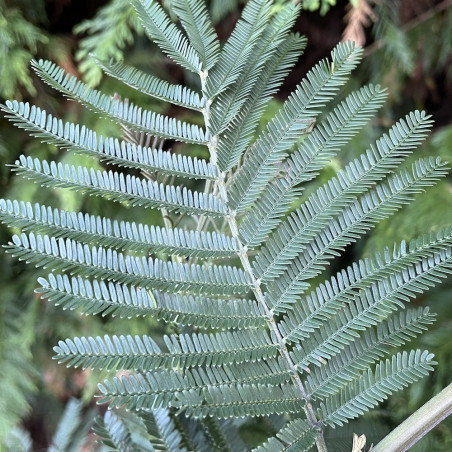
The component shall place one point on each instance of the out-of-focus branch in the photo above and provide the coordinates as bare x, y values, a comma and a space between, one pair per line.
418, 424
446, 4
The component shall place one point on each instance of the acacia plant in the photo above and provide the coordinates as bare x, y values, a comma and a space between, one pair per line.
234, 271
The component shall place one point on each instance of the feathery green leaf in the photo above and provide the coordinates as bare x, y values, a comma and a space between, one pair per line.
293, 120
152, 86
359, 355
119, 187
242, 400
355, 220
228, 103
329, 200
296, 436
371, 307
236, 138
97, 262
98, 297
238, 48
142, 352
82, 140
330, 297
123, 235
162, 388
325, 140
201, 34
166, 35
113, 108
374, 387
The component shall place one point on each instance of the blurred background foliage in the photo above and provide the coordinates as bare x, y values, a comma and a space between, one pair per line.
408, 48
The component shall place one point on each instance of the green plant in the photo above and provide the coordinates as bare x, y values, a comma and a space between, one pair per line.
18, 44
294, 344
113, 28
71, 431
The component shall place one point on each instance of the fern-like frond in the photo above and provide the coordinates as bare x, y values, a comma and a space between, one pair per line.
330, 297
163, 388
198, 26
82, 140
209, 313
126, 113
112, 431
228, 103
354, 221
123, 235
370, 308
242, 400
361, 354
166, 35
164, 434
106, 35
101, 263
149, 432
305, 223
219, 401
119, 187
238, 48
326, 139
233, 142
218, 439
293, 120
67, 426
98, 297
296, 436
142, 352
246, 340
272, 371
152, 86
374, 387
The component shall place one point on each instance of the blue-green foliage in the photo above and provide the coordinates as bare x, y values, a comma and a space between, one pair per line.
250, 331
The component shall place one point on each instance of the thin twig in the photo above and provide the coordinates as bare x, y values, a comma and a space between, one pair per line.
411, 24
255, 283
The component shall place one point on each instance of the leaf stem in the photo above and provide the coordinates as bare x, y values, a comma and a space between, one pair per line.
255, 283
